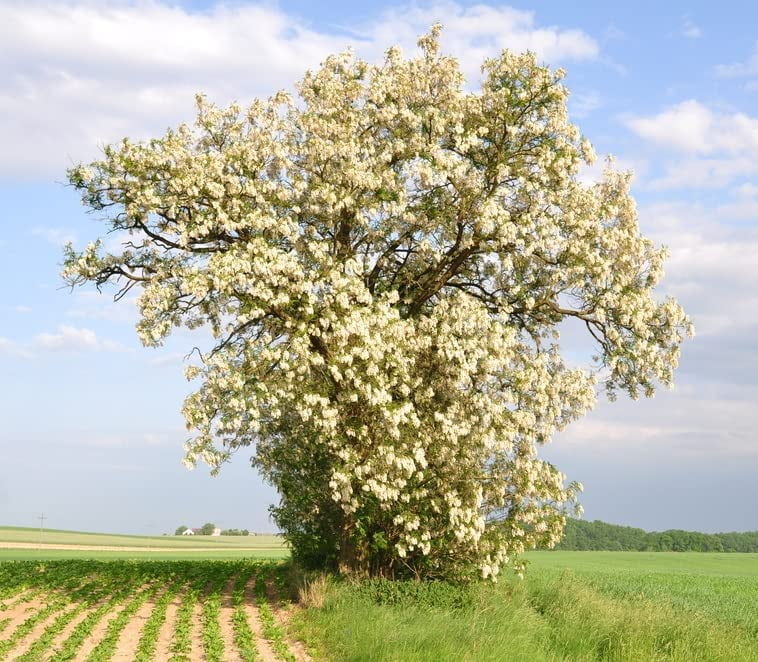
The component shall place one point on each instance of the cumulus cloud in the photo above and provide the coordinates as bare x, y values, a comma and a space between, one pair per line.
692, 127
66, 339
716, 148
73, 339
80, 74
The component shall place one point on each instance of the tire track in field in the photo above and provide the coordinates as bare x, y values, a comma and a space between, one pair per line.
282, 617
226, 623
166, 633
265, 652
129, 638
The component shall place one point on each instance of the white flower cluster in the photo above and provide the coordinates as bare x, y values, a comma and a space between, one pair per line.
384, 266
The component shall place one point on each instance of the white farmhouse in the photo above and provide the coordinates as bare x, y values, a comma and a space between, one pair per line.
188, 532
216, 532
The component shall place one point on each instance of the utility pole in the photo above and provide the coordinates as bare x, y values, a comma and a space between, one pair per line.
41, 519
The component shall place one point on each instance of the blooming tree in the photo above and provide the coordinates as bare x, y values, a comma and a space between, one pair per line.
384, 265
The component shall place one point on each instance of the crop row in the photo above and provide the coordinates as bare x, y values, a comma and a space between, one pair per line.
79, 610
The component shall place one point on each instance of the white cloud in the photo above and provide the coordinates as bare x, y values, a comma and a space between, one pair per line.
712, 267
692, 127
168, 358
57, 236
10, 348
582, 104
82, 74
717, 147
93, 305
740, 69
73, 339
690, 30
703, 173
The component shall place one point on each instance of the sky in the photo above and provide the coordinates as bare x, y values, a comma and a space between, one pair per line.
91, 430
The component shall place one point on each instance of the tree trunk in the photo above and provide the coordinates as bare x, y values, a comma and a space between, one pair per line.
354, 559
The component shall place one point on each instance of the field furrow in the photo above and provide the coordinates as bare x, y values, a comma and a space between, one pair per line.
58, 640
107, 645
50, 608
244, 637
88, 632
226, 621
166, 631
271, 629
196, 633
274, 586
25, 643
151, 628
181, 643
16, 596
253, 613
125, 642
16, 616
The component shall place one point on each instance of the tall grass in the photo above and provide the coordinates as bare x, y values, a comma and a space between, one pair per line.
550, 616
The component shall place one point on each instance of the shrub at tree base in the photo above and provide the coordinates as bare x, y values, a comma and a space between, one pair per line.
384, 266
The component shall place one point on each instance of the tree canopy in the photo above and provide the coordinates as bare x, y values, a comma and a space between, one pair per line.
597, 535
384, 265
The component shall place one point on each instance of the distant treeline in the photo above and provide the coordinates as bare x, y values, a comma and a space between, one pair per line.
600, 536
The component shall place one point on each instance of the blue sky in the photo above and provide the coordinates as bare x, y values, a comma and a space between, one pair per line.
91, 432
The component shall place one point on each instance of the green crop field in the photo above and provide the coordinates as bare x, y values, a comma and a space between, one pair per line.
571, 606
143, 610
10, 534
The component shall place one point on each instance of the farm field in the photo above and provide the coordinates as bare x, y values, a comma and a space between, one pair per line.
10, 535
571, 606
144, 610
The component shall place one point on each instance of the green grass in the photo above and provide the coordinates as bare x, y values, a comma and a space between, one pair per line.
572, 606
17, 534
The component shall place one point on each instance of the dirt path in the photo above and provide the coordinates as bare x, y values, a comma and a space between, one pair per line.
226, 613
166, 633
265, 652
126, 646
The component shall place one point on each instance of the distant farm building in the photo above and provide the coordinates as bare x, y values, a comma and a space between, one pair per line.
188, 532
